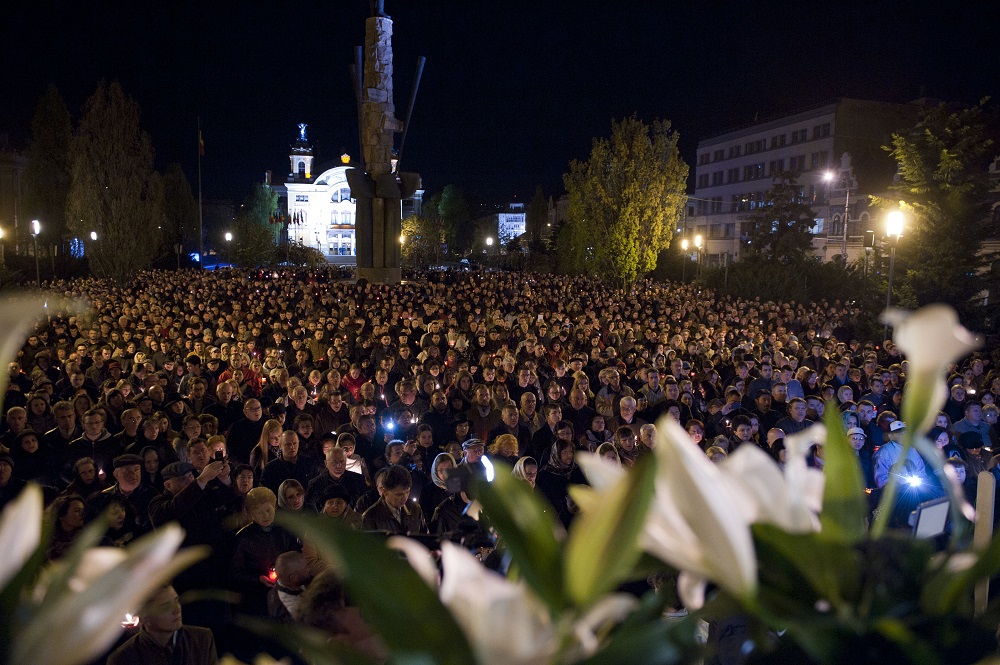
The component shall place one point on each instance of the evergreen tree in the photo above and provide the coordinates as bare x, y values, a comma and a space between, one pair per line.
624, 202
47, 174
942, 188
781, 230
536, 219
454, 212
180, 210
114, 189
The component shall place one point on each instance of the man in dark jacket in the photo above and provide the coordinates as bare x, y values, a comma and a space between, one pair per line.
393, 513
336, 473
163, 638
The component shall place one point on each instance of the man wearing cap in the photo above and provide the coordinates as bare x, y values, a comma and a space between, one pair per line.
890, 453
199, 505
857, 438
135, 494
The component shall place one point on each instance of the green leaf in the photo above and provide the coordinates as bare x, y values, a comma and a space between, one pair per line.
945, 589
832, 570
603, 542
844, 502
402, 609
311, 643
528, 532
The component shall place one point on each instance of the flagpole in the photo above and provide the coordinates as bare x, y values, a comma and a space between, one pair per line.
201, 215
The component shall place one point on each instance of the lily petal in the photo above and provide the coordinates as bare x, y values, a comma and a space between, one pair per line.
503, 620
20, 532
602, 474
691, 590
419, 557
18, 313
88, 621
690, 486
612, 608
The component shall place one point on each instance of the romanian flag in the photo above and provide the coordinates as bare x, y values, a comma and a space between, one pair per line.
201, 145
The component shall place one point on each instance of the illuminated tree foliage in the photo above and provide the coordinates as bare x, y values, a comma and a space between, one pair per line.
943, 191
624, 202
422, 238
114, 189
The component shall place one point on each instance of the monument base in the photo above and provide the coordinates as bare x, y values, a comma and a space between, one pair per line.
381, 275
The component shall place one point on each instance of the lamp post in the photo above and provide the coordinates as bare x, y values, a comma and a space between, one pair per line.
36, 228
684, 260
229, 247
697, 244
489, 246
402, 241
893, 230
830, 176
1, 248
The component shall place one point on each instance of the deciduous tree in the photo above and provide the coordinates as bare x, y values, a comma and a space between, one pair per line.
180, 210
624, 202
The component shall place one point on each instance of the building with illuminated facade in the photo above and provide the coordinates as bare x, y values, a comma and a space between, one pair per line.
834, 149
320, 206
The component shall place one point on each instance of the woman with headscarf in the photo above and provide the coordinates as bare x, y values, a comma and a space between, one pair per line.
436, 491
557, 475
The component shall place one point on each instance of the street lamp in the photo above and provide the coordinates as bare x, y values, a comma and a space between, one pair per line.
893, 230
684, 260
489, 243
36, 228
93, 236
229, 247
830, 176
1, 247
697, 244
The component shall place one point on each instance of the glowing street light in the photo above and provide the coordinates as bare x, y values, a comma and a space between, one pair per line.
697, 244
893, 231
684, 260
36, 228
229, 247
93, 235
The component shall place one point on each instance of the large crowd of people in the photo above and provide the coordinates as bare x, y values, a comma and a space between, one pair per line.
216, 399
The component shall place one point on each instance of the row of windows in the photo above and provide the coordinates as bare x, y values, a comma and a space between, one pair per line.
821, 131
817, 160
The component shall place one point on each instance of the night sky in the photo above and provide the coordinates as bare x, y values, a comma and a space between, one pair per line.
512, 90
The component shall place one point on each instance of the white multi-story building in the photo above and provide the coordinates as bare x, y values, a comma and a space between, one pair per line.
736, 169
320, 207
511, 223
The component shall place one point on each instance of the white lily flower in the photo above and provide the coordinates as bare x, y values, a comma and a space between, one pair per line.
695, 521
20, 532
106, 585
932, 339
503, 620
787, 500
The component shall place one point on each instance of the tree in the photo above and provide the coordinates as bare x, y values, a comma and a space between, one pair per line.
536, 219
261, 203
47, 174
180, 210
781, 230
624, 202
454, 212
942, 189
114, 189
423, 235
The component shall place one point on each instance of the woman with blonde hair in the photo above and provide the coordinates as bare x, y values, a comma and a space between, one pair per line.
267, 446
504, 448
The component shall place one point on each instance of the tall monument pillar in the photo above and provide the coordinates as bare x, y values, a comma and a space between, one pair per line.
378, 195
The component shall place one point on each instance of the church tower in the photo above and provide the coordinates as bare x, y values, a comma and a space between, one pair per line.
301, 158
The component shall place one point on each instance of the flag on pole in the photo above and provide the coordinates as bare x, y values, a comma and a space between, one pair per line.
201, 145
